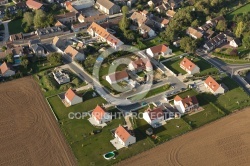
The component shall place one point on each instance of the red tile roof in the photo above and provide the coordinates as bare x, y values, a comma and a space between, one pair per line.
34, 4
155, 113
71, 51
177, 98
118, 75
3, 68
122, 133
159, 48
98, 112
212, 83
70, 94
141, 63
187, 64
189, 101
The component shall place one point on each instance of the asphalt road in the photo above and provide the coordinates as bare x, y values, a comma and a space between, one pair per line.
230, 69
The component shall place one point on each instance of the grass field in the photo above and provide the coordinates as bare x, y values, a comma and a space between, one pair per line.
174, 65
51, 87
164, 133
87, 148
232, 100
243, 9
15, 26
205, 67
150, 93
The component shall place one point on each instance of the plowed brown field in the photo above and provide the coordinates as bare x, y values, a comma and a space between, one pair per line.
29, 133
223, 142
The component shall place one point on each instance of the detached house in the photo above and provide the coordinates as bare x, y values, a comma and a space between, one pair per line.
194, 33
170, 13
138, 18
159, 50
124, 137
6, 71
117, 77
70, 8
140, 65
187, 104
71, 98
189, 66
100, 18
146, 31
66, 17
34, 5
173, 4
100, 115
161, 8
213, 86
154, 117
107, 7
96, 30
73, 54
214, 42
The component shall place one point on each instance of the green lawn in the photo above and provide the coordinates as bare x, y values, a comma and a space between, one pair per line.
164, 133
243, 9
15, 26
150, 93
174, 65
87, 148
232, 100
51, 87
205, 67
209, 114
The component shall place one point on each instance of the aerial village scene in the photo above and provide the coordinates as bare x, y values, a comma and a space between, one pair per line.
125, 82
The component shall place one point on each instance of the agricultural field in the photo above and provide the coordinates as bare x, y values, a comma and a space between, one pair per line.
29, 132
228, 141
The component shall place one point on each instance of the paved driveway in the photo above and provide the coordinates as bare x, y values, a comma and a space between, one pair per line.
6, 30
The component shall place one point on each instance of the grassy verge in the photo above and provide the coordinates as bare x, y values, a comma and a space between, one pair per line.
150, 93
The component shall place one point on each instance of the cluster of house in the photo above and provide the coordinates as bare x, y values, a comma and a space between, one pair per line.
12, 8
213, 41
140, 64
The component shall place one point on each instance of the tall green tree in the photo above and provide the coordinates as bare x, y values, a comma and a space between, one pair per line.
24, 63
28, 18
239, 29
125, 10
54, 58
40, 19
246, 40
221, 26
9, 58
188, 44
